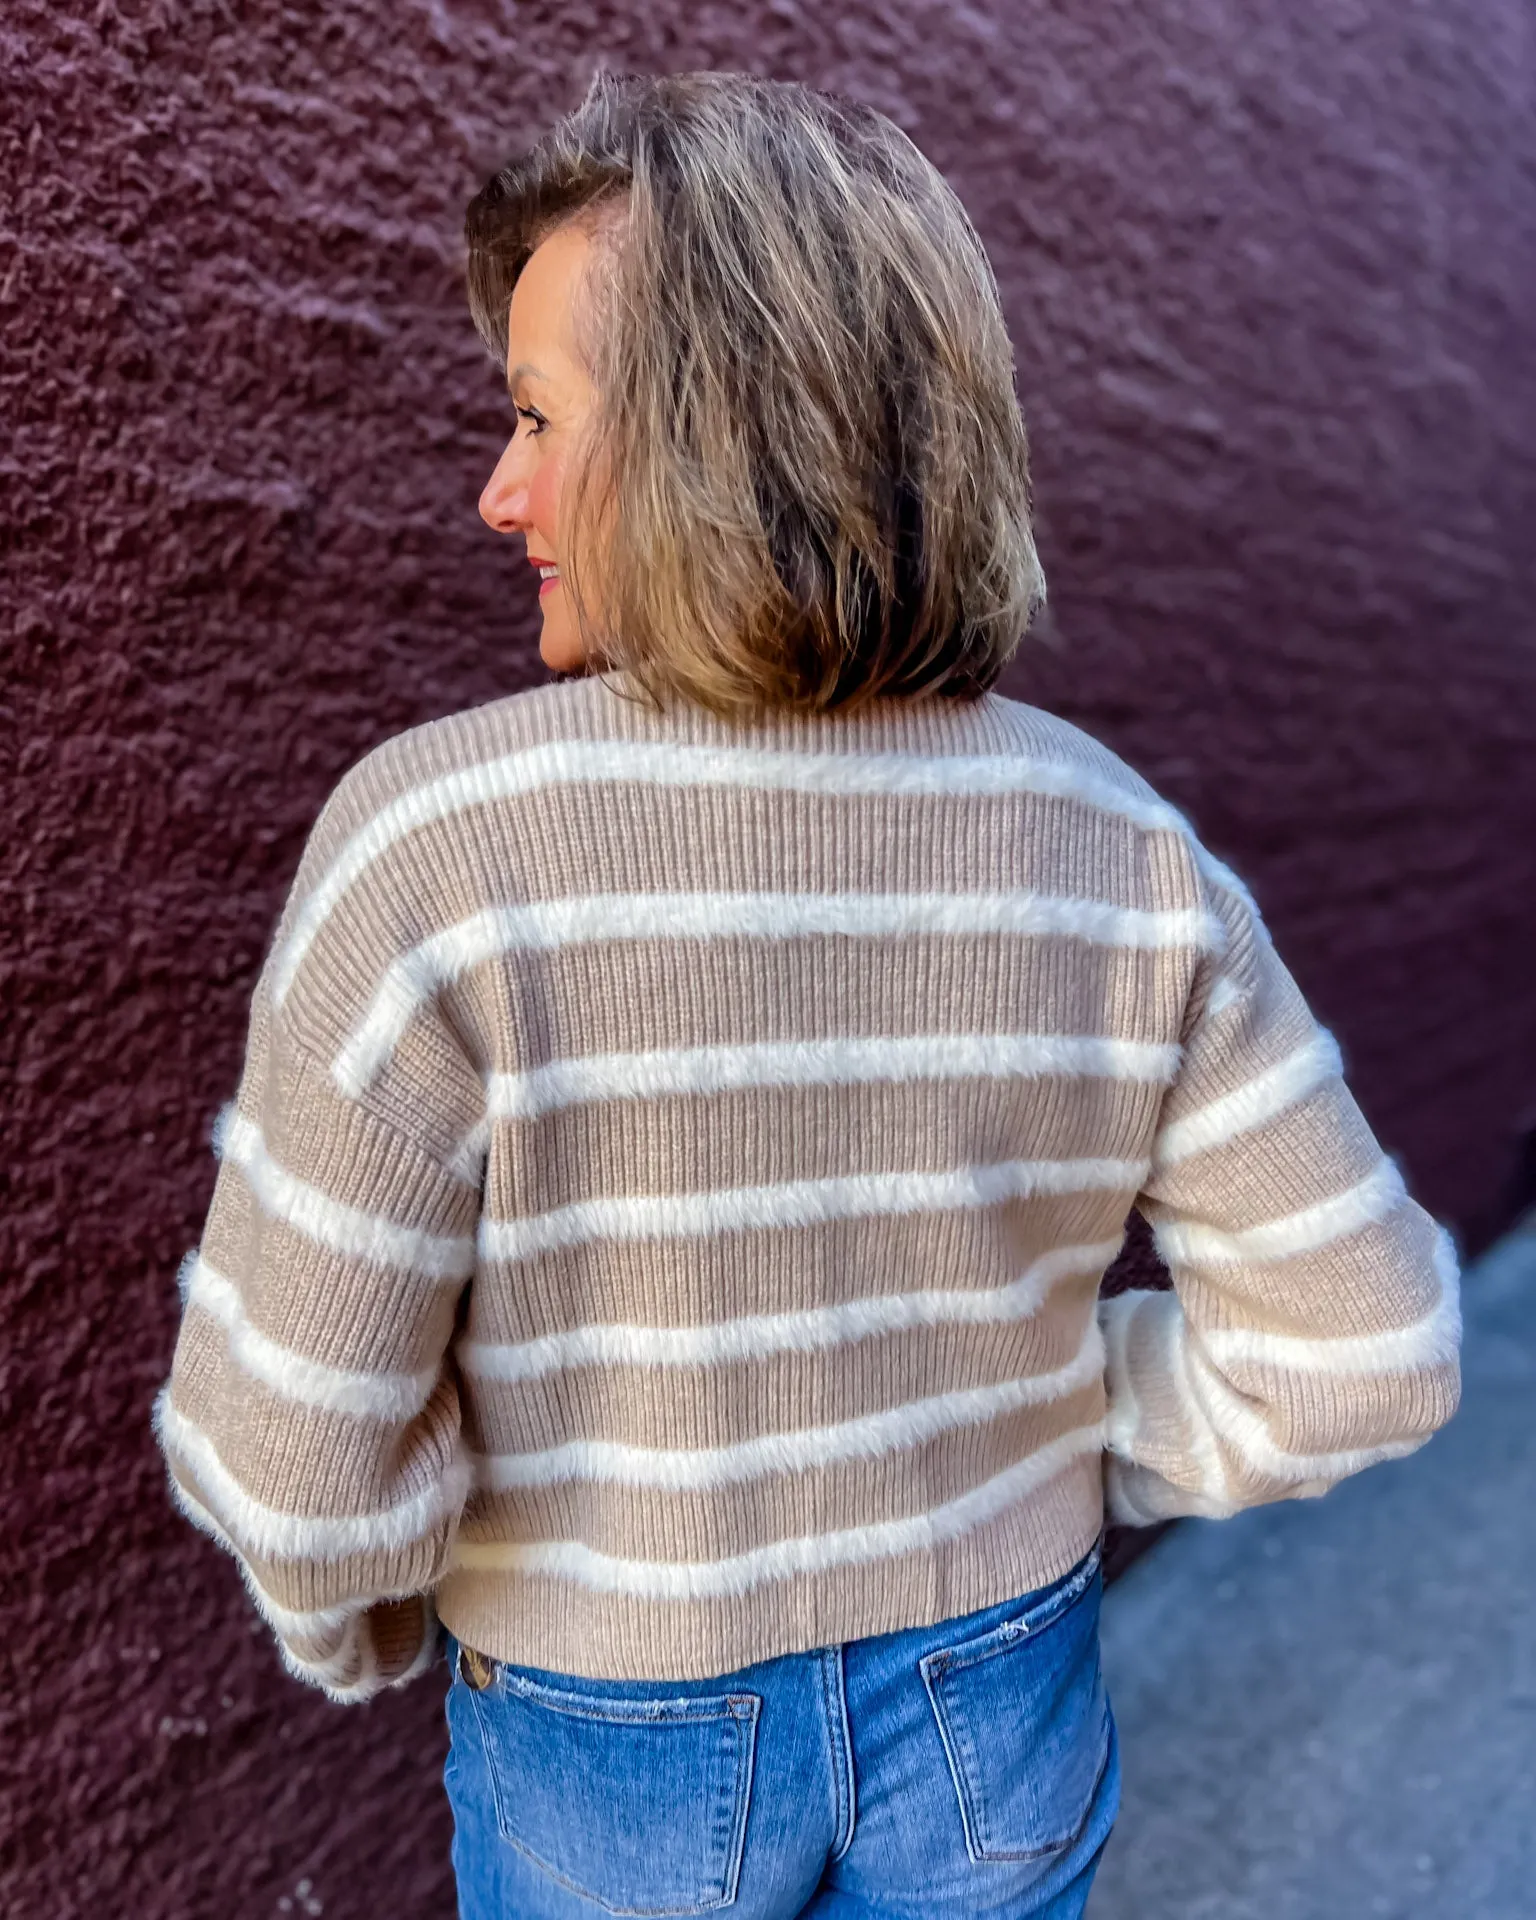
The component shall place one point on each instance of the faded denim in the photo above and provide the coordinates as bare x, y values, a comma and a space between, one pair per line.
965, 1769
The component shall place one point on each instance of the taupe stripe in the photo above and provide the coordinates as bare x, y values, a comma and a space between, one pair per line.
739, 1399
334, 1309
414, 979
799, 1203
567, 762
785, 1559
693, 1144
304, 1585
776, 1270
1336, 1216
634, 996
688, 1524
264, 1442
939, 1328
997, 844
1280, 1174
345, 1229
371, 1392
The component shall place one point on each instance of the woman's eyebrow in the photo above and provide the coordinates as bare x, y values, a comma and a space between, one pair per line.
523, 367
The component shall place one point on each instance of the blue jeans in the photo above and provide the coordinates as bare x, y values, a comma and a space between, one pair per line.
969, 1768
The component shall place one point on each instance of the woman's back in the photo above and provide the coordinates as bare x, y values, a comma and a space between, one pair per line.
784, 1090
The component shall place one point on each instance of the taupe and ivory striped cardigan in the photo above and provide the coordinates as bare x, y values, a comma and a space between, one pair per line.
661, 1219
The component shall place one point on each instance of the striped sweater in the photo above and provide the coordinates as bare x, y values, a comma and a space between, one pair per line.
661, 1219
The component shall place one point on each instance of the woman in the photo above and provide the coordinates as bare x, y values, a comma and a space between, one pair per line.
687, 1117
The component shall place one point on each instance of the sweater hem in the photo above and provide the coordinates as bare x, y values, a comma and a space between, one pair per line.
555, 1625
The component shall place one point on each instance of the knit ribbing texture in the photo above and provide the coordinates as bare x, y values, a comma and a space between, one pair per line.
660, 1222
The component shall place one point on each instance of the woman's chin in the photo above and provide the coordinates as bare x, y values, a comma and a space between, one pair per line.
560, 652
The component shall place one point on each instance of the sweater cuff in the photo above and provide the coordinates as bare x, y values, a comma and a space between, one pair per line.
1137, 1496
387, 1645
404, 1635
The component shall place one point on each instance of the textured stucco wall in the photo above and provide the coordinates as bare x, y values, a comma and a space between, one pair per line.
1270, 274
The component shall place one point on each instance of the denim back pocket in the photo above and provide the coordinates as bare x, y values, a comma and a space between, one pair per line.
639, 1804
1025, 1722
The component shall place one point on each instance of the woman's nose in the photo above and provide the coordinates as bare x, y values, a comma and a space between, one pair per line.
504, 502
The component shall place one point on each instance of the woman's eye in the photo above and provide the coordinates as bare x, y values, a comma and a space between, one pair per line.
533, 414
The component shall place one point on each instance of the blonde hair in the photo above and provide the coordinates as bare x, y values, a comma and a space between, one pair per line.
813, 465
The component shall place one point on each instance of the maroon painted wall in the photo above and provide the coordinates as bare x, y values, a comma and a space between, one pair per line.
1270, 274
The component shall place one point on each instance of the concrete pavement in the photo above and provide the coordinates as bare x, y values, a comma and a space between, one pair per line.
1328, 1707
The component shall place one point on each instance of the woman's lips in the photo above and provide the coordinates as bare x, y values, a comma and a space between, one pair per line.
548, 586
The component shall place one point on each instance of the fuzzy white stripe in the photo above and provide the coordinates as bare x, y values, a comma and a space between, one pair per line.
783, 1559
667, 764
1426, 1343
1430, 1341
467, 1161
414, 978
1122, 1416
270, 1534
805, 1331
1120, 1505
313, 1625
381, 1396
1249, 1106
831, 1061
1225, 993
1123, 1423
1204, 1451
871, 1436
356, 1658
329, 1223
1192, 1243
797, 1203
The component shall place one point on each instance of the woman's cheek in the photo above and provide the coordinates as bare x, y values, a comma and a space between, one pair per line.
544, 498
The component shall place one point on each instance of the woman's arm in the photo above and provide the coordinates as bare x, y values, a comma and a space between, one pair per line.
311, 1419
1315, 1325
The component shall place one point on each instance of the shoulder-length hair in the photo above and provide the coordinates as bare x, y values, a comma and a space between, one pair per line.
814, 468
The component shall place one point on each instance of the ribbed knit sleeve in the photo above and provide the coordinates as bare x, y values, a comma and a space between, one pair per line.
311, 1421
1314, 1326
